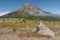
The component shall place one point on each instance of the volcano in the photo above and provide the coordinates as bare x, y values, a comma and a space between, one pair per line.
28, 11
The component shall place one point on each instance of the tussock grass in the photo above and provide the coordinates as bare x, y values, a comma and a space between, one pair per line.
14, 22
31, 34
4, 22
17, 22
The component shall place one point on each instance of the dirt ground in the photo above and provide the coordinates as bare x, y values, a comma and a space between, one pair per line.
11, 36
6, 34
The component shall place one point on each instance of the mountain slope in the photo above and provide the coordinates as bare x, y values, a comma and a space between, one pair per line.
30, 12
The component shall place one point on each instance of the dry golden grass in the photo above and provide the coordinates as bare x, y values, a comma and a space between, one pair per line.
31, 34
14, 22
17, 22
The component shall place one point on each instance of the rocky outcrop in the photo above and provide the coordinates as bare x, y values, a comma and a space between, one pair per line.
42, 29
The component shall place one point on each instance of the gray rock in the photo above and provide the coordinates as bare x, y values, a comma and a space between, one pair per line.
42, 29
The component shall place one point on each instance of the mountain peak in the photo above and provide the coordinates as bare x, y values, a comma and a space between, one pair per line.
25, 7
27, 4
30, 9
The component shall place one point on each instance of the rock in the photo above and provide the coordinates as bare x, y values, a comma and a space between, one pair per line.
42, 29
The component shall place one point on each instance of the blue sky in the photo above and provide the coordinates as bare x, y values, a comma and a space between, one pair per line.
52, 6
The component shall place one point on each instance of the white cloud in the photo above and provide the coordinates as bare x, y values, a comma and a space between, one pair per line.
3, 13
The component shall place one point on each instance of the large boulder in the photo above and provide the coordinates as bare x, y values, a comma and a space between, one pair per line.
43, 30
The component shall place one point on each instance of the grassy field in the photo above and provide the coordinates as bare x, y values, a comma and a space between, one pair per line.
4, 22
17, 22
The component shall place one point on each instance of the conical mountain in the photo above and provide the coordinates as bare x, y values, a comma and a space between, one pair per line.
27, 8
29, 12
